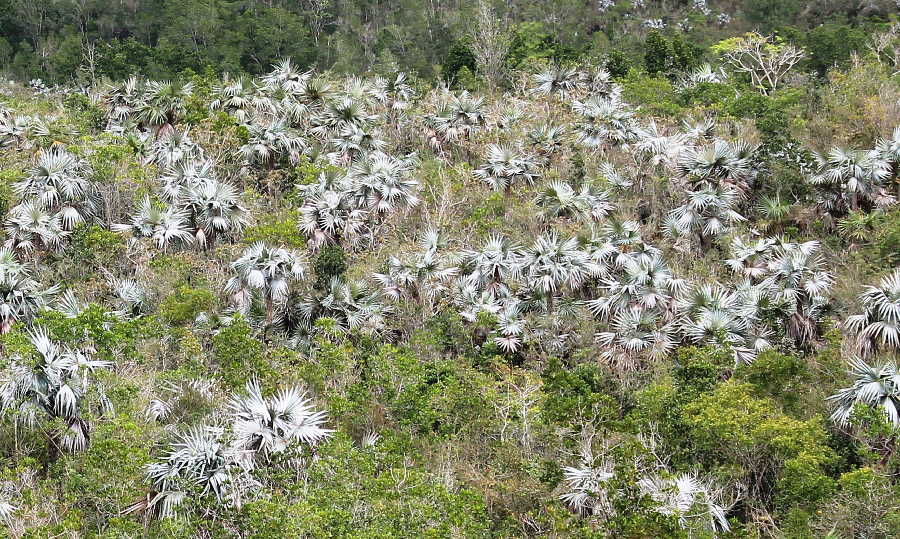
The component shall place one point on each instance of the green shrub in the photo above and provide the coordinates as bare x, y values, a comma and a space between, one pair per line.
329, 262
278, 230
92, 246
239, 356
185, 304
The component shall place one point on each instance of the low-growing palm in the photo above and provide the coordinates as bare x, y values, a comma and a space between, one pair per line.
268, 425
167, 227
56, 385
173, 147
708, 212
197, 459
180, 178
888, 150
556, 80
353, 305
855, 175
877, 387
240, 98
490, 267
422, 276
285, 77
383, 183
878, 326
330, 212
58, 184
163, 104
750, 260
605, 121
798, 282
266, 144
265, 271
21, 297
214, 210
505, 166
29, 227
716, 163
588, 203
636, 335
552, 264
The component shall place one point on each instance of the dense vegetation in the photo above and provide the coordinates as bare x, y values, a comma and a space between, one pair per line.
585, 269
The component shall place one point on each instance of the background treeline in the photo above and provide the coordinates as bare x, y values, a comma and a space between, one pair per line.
79, 40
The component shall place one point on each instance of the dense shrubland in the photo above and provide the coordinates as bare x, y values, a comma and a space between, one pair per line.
553, 294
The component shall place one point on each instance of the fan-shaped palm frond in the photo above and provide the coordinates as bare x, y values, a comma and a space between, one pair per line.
55, 385
505, 166
878, 387
588, 203
267, 271
167, 226
267, 425
878, 326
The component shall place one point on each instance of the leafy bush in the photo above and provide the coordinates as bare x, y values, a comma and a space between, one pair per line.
185, 304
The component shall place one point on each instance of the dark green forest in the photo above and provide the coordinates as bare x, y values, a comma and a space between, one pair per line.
376, 269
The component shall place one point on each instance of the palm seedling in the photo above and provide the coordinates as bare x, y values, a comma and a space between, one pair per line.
178, 400
339, 113
636, 335
22, 132
180, 178
657, 147
122, 100
774, 212
353, 142
286, 78
394, 94
703, 74
598, 81
546, 139
456, 117
637, 281
714, 316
